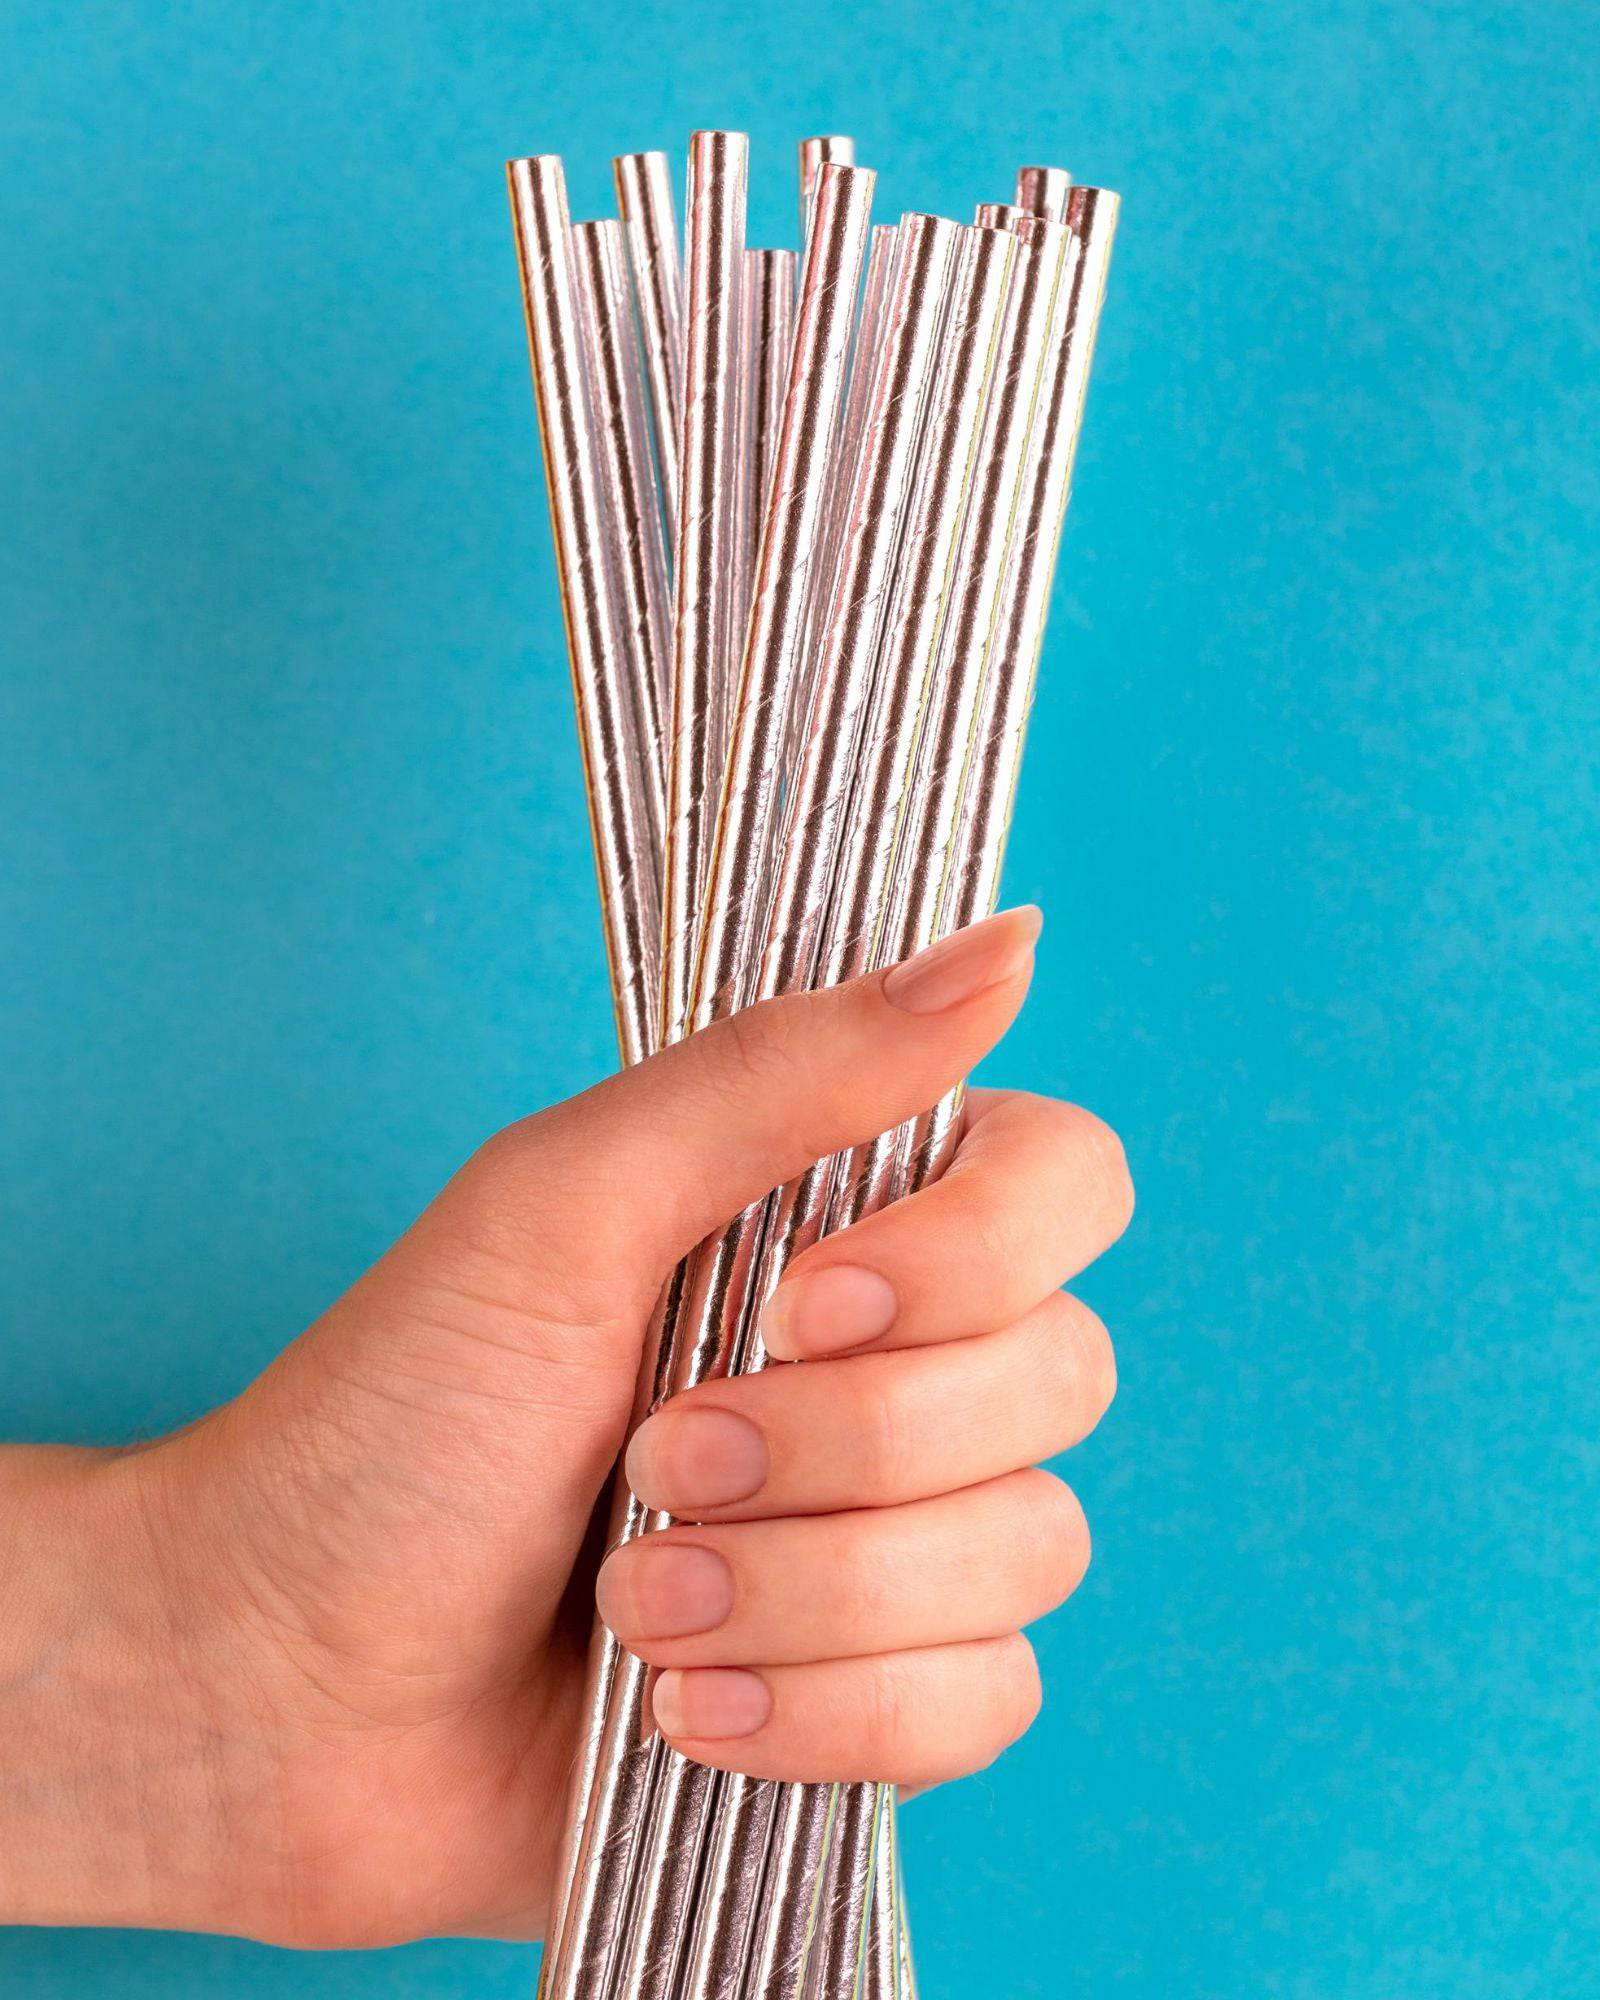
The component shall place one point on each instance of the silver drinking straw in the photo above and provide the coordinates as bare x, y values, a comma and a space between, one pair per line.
746, 816
644, 201
703, 555
998, 214
874, 290
632, 500
881, 1972
828, 1825
814, 824
626, 837
623, 1768
765, 338
903, 695
708, 459
972, 879
1043, 191
815, 154
974, 872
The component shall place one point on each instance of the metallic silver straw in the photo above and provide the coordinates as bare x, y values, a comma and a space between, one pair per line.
874, 290
644, 201
626, 837
881, 1972
633, 502
998, 214
765, 338
703, 560
973, 885
603, 1884
814, 822
971, 876
903, 696
746, 818
824, 1823
815, 154
1043, 191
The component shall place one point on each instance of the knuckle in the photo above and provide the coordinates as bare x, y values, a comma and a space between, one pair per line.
751, 1050
888, 1704
887, 1442
855, 1591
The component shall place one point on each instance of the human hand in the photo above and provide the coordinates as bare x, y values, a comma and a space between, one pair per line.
311, 1670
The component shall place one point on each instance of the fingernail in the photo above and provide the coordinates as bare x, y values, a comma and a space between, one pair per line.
704, 1702
965, 964
686, 1461
827, 1312
663, 1592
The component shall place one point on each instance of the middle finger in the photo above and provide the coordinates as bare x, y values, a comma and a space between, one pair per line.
875, 1430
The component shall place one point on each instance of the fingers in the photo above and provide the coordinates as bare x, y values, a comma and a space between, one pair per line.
635, 1171
1037, 1190
878, 1429
976, 1564
911, 1719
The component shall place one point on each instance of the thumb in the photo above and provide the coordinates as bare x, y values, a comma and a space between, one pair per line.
502, 1333
627, 1177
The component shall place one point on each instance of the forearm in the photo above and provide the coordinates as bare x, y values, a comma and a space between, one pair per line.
108, 1792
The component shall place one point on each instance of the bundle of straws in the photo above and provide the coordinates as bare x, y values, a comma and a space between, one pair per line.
805, 529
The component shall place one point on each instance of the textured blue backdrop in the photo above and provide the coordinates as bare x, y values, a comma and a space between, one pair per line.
298, 904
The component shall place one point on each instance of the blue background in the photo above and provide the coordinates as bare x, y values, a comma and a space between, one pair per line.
298, 902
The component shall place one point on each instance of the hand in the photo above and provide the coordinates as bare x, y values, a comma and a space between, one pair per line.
311, 1669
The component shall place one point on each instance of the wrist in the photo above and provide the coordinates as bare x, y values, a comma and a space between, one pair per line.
111, 1810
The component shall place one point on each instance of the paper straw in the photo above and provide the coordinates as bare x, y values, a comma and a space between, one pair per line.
784, 577
910, 649
815, 154
874, 290
866, 1179
625, 1768
837, 1961
765, 338
881, 1967
1043, 191
626, 840
703, 559
714, 1294
974, 873
644, 201
638, 554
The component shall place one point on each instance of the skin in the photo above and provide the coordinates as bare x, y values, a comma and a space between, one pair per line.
310, 1670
